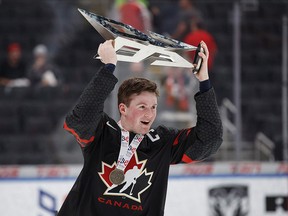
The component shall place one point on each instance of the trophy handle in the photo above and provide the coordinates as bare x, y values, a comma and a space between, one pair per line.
197, 62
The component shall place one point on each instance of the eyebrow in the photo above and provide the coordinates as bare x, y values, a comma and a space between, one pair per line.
141, 103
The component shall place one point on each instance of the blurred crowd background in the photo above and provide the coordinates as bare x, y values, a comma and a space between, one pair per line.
46, 60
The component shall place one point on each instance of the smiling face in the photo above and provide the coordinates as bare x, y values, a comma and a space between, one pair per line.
141, 112
137, 102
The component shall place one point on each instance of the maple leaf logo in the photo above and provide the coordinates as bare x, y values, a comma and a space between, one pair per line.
137, 179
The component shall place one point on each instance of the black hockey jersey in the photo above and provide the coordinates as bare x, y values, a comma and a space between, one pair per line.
143, 193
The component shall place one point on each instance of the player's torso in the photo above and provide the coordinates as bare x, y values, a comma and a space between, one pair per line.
145, 174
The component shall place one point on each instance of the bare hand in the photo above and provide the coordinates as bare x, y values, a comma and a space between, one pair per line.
107, 52
203, 73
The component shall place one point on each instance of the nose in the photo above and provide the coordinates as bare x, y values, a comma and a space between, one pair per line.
148, 113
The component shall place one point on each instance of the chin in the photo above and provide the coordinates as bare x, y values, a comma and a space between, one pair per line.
143, 131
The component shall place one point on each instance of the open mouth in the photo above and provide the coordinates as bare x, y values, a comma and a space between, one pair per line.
145, 122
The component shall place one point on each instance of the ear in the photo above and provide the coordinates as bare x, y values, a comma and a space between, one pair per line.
122, 108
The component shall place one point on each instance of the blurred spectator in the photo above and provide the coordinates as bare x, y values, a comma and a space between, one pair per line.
42, 72
177, 89
178, 83
136, 14
164, 16
13, 68
112, 10
197, 34
187, 12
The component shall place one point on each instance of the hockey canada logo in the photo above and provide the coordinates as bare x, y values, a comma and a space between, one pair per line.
137, 179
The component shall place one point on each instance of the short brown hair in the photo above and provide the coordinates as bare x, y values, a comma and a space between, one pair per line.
135, 86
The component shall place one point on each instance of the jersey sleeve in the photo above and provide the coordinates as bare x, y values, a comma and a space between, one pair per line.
84, 118
197, 143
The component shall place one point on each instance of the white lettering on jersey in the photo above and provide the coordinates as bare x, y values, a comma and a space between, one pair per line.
156, 136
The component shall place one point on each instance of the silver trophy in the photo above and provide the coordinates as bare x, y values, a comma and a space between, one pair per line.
132, 45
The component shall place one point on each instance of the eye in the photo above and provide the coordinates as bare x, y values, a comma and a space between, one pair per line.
154, 107
142, 107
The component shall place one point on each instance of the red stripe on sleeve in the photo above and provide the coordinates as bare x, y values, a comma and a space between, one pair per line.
82, 142
187, 159
176, 141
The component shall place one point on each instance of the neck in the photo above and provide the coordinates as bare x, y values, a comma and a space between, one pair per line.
123, 127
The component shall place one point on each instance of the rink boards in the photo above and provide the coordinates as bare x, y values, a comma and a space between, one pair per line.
251, 188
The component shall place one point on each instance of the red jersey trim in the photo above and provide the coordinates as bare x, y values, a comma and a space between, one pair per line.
187, 159
82, 142
176, 141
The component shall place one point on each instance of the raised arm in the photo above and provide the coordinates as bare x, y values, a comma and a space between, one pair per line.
205, 138
84, 118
